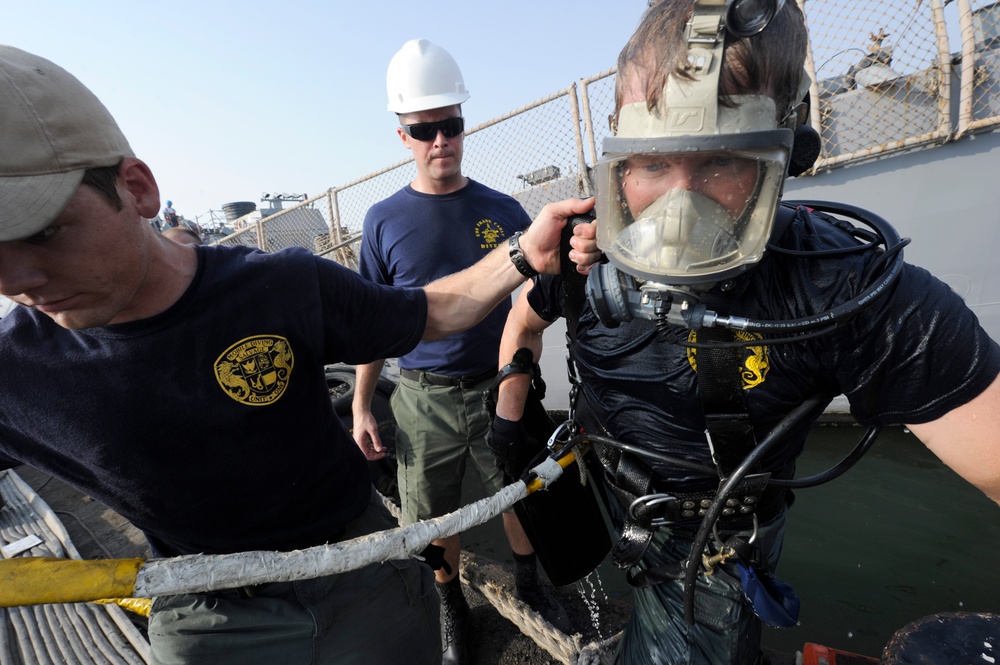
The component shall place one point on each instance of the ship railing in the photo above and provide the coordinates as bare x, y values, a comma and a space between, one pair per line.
887, 78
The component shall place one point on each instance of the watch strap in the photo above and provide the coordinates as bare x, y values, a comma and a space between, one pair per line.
517, 256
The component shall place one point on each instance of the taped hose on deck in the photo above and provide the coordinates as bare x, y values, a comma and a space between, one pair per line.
38, 580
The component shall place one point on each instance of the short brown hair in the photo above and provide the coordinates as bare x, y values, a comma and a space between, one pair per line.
104, 180
769, 62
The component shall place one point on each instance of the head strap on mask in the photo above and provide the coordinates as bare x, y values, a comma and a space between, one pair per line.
691, 107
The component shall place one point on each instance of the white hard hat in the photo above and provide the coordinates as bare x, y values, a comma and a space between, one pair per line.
423, 76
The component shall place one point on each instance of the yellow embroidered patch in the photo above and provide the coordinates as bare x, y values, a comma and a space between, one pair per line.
255, 370
755, 359
489, 233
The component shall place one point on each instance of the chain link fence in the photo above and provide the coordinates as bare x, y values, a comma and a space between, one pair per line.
881, 76
979, 102
887, 76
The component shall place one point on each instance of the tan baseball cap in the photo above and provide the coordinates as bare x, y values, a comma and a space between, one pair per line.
52, 129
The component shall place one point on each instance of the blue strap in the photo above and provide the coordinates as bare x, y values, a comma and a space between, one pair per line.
772, 600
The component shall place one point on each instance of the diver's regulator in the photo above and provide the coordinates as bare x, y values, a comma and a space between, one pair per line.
616, 296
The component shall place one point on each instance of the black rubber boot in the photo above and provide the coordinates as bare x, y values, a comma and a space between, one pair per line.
530, 591
454, 616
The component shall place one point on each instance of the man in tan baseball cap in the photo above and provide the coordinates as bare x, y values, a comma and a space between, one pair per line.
119, 329
72, 195
54, 129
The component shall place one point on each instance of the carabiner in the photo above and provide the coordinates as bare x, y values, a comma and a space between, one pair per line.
560, 430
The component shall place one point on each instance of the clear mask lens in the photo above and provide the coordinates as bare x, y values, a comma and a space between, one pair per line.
687, 217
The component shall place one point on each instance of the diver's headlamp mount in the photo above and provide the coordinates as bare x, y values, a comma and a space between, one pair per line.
748, 17
743, 18
711, 19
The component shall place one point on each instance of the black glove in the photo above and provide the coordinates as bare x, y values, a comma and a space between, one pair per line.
433, 556
511, 448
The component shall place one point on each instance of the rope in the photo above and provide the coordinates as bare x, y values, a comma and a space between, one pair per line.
595, 652
482, 575
560, 646
391, 506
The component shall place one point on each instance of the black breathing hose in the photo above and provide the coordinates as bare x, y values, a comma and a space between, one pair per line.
893, 247
852, 458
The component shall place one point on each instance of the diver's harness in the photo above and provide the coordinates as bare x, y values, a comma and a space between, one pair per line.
744, 494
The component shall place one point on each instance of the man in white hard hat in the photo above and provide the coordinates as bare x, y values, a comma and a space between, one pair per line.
439, 223
107, 311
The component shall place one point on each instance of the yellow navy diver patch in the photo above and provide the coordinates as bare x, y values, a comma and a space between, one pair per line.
256, 369
489, 234
755, 359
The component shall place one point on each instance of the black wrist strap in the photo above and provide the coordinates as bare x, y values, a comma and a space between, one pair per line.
517, 256
522, 363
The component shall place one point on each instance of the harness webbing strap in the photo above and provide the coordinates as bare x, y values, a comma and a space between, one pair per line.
727, 417
632, 479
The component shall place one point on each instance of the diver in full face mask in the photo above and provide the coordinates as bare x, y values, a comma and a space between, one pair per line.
688, 210
687, 187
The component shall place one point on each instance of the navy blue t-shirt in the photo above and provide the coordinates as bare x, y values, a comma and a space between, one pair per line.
209, 426
411, 239
644, 388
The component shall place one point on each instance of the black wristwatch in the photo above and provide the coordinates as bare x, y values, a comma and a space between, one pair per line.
517, 256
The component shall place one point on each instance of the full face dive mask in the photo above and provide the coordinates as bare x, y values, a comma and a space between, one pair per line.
687, 191
685, 216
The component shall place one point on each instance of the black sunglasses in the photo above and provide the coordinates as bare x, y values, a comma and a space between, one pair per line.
428, 131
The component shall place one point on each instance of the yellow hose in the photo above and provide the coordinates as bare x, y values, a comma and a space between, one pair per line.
564, 461
41, 580
140, 606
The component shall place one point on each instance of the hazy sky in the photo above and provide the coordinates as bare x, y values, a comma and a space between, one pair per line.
228, 100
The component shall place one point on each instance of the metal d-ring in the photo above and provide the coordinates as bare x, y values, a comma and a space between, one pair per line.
648, 501
559, 431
